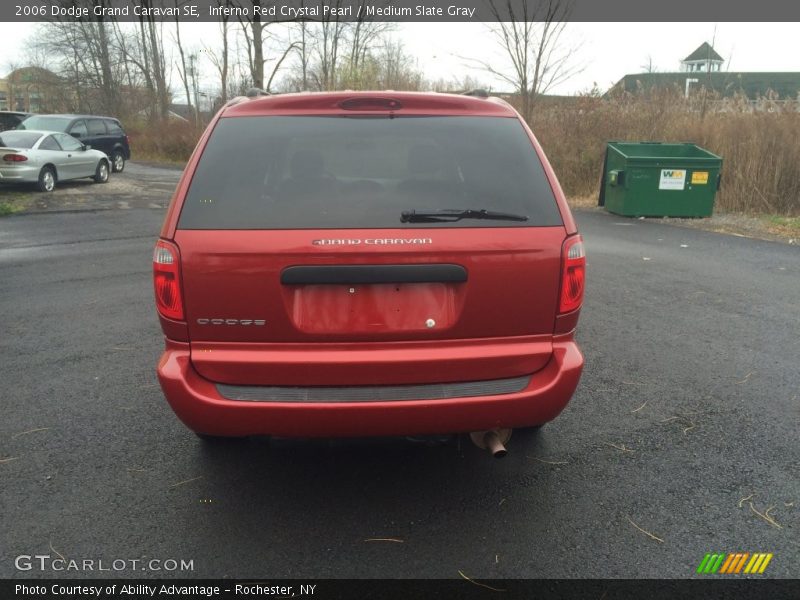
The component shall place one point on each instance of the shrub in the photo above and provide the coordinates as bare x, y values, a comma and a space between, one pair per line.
171, 141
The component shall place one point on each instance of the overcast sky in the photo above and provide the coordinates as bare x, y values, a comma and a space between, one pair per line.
607, 50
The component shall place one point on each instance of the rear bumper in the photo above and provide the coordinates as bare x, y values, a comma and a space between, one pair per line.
19, 174
198, 403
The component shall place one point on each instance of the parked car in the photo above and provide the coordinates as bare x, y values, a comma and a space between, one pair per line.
9, 119
45, 158
361, 264
101, 133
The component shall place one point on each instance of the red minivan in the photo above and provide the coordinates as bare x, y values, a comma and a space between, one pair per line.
368, 264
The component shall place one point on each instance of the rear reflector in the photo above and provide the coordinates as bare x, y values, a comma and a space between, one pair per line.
370, 104
15, 158
167, 280
573, 274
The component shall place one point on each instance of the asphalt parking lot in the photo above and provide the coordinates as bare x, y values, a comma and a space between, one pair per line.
681, 440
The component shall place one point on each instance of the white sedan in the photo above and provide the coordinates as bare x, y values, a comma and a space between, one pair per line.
46, 157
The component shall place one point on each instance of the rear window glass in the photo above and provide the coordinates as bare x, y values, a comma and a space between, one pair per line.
114, 128
9, 121
357, 172
46, 123
19, 139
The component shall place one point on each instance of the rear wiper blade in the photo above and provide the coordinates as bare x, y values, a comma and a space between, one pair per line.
446, 215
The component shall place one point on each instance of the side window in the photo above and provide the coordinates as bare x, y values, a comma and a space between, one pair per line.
97, 127
49, 143
114, 128
79, 129
67, 142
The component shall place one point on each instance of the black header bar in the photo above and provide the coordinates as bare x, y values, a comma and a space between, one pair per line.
467, 588
188, 11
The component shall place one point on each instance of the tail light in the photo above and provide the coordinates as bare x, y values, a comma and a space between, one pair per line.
167, 280
15, 158
573, 274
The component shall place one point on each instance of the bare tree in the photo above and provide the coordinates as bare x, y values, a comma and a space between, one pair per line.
457, 86
257, 44
303, 50
143, 49
328, 40
530, 35
254, 30
221, 60
648, 66
183, 71
84, 54
152, 41
239, 80
364, 36
333, 52
397, 69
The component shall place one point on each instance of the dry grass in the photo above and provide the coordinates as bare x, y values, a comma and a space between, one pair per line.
483, 585
644, 531
765, 515
548, 462
185, 481
620, 447
171, 142
758, 144
29, 431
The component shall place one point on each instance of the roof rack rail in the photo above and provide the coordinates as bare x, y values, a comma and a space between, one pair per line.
255, 92
478, 93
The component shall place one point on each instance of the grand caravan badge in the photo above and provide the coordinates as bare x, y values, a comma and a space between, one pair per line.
373, 242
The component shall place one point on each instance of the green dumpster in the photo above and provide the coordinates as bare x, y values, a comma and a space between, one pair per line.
654, 179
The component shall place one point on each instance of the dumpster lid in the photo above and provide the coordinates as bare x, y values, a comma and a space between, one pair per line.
661, 150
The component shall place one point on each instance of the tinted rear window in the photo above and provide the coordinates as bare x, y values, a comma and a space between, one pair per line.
8, 121
114, 128
355, 172
46, 123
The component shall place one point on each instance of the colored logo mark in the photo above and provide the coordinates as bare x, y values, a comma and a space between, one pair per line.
734, 563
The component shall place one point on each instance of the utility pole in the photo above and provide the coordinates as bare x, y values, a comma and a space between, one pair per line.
195, 91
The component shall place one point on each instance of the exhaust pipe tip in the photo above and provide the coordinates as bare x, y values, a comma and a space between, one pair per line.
493, 440
494, 445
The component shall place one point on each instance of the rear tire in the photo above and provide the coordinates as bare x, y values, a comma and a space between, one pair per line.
47, 180
117, 161
101, 173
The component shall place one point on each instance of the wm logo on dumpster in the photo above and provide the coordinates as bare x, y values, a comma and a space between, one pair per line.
734, 563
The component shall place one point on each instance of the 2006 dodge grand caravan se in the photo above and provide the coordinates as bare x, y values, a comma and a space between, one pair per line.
368, 264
